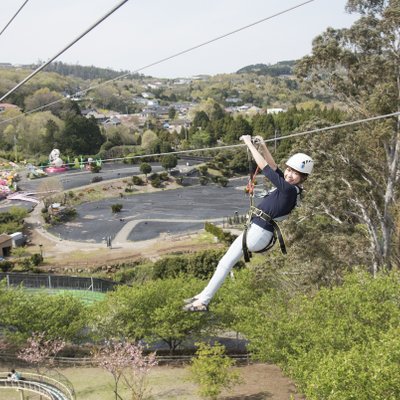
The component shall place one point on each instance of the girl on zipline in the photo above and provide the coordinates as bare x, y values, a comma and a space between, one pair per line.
261, 231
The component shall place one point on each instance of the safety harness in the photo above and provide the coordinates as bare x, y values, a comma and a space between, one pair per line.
256, 212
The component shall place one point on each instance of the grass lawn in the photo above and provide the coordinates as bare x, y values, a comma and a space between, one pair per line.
86, 296
259, 382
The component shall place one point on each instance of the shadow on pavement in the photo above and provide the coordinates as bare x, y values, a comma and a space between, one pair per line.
256, 396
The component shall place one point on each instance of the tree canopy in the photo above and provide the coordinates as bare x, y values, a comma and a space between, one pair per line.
361, 66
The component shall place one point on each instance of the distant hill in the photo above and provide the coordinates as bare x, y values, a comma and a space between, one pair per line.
280, 68
85, 72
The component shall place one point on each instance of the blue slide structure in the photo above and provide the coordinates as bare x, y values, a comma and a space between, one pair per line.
45, 386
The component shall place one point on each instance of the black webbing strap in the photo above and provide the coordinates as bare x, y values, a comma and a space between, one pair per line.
279, 236
246, 252
261, 214
254, 211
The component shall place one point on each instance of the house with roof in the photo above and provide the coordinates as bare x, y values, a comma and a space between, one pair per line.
100, 118
275, 110
113, 120
8, 106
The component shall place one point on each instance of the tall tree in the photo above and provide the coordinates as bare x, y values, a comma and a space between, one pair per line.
80, 136
169, 161
360, 65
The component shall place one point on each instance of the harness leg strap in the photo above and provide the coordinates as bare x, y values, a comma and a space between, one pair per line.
279, 235
246, 252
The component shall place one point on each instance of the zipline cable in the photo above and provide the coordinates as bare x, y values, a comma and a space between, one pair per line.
317, 130
12, 19
162, 60
37, 70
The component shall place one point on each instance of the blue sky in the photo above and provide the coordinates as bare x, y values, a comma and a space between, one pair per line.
142, 32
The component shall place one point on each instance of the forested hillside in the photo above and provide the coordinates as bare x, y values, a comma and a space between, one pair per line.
280, 68
86, 72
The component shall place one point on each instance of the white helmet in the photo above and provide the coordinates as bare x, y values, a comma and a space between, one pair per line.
301, 163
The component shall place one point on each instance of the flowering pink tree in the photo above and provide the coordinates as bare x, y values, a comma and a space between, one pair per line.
40, 351
135, 376
127, 361
114, 358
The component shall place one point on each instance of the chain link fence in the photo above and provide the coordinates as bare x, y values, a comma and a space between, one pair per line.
35, 281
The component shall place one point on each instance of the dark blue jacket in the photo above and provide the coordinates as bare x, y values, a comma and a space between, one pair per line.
279, 202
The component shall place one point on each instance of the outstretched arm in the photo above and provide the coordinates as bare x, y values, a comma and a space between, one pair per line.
261, 159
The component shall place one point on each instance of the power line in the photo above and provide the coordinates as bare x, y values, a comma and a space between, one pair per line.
12, 19
222, 36
164, 59
37, 70
318, 130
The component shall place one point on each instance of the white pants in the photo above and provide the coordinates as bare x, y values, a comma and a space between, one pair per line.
257, 239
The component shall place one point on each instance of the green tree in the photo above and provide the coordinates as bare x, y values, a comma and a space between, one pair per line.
81, 135
13, 220
43, 97
360, 65
238, 127
264, 125
217, 112
376, 366
149, 139
145, 168
202, 139
171, 113
169, 161
212, 370
51, 136
336, 338
201, 120
150, 310
61, 316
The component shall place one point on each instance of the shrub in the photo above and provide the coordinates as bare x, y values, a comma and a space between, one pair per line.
164, 176
137, 180
95, 168
203, 180
154, 176
116, 208
156, 182
6, 266
222, 181
203, 169
36, 259
225, 237
212, 370
200, 265
97, 179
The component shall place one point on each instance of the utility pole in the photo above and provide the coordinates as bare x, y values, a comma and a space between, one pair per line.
15, 148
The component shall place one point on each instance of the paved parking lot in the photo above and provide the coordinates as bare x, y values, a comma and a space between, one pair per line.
144, 216
164, 212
